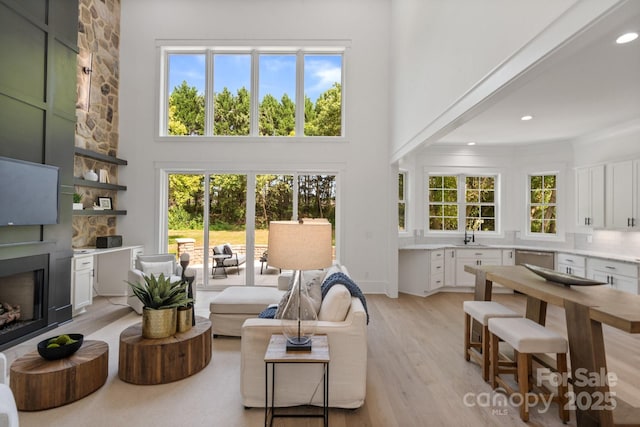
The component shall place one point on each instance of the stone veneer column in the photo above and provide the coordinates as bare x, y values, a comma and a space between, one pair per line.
97, 115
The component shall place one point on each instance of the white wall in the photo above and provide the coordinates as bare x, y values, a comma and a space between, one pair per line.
450, 57
514, 164
367, 245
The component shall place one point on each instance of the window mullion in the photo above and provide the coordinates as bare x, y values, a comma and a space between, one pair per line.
299, 124
255, 107
209, 98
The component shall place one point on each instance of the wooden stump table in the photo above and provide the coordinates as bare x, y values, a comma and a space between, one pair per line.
38, 383
157, 361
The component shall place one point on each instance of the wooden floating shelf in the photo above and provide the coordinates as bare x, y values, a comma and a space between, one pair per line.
94, 212
95, 184
98, 156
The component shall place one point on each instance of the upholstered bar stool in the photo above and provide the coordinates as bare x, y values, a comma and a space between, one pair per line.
528, 337
481, 311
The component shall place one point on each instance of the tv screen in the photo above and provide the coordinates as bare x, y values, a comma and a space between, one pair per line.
28, 193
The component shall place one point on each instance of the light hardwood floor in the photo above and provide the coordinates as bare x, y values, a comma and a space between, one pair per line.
417, 374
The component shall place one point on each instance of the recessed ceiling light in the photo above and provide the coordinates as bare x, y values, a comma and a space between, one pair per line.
626, 38
525, 118
471, 143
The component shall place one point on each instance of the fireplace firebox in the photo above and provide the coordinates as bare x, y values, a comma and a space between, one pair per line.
23, 296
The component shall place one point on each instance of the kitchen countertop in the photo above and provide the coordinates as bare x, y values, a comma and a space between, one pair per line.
582, 252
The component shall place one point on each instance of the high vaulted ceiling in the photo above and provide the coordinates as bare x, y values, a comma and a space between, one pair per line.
588, 85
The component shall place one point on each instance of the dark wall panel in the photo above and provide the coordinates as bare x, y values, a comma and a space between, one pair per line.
38, 65
21, 130
64, 23
63, 80
23, 53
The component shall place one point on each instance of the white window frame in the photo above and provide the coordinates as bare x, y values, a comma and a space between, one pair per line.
403, 200
461, 175
255, 48
557, 236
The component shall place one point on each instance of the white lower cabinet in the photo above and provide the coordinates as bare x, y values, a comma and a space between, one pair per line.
436, 270
571, 264
420, 272
475, 257
449, 267
619, 275
82, 283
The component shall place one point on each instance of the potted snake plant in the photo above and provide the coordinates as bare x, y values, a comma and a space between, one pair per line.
160, 298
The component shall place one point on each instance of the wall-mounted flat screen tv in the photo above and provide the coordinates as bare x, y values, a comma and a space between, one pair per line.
28, 193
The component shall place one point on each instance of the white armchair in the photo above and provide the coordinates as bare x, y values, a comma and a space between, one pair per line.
152, 264
8, 409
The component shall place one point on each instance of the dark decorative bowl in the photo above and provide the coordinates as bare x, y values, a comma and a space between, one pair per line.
561, 278
61, 352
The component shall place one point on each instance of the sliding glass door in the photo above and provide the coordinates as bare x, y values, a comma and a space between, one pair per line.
208, 219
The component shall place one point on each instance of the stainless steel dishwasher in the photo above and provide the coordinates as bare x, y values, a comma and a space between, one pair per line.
539, 258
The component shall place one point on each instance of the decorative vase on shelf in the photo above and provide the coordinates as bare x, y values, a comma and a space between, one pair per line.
90, 175
77, 206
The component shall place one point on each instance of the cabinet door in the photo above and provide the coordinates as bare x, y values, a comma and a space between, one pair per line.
590, 196
620, 186
583, 191
413, 272
625, 284
449, 267
474, 257
597, 181
82, 286
508, 257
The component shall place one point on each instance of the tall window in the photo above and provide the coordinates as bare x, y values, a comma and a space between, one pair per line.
542, 204
402, 196
209, 92
480, 203
459, 202
443, 203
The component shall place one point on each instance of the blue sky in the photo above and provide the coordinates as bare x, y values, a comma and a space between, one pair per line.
277, 73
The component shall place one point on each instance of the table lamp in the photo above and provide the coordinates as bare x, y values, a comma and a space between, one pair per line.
298, 246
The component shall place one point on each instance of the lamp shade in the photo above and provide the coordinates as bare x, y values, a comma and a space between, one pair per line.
297, 245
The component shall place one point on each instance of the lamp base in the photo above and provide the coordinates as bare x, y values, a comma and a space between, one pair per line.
299, 344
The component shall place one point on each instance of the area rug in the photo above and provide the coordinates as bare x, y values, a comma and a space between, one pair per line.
210, 397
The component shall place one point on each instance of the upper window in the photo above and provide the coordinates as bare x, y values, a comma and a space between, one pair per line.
456, 207
235, 91
542, 204
402, 197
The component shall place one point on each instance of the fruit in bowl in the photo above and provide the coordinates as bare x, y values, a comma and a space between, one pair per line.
60, 346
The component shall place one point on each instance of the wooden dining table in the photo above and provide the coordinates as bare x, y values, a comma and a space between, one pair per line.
587, 308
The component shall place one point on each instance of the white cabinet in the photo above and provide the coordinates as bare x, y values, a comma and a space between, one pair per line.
622, 195
420, 272
590, 196
82, 283
449, 267
436, 271
508, 257
571, 264
619, 275
475, 257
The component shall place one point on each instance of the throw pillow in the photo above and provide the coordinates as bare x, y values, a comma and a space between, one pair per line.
227, 249
313, 281
335, 304
157, 268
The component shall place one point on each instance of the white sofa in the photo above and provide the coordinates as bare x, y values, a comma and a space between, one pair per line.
300, 384
8, 409
152, 264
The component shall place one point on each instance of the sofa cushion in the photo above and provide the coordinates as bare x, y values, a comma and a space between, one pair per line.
244, 300
157, 268
226, 249
335, 304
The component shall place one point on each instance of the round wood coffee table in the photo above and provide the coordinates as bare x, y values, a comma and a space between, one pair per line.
38, 383
148, 361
